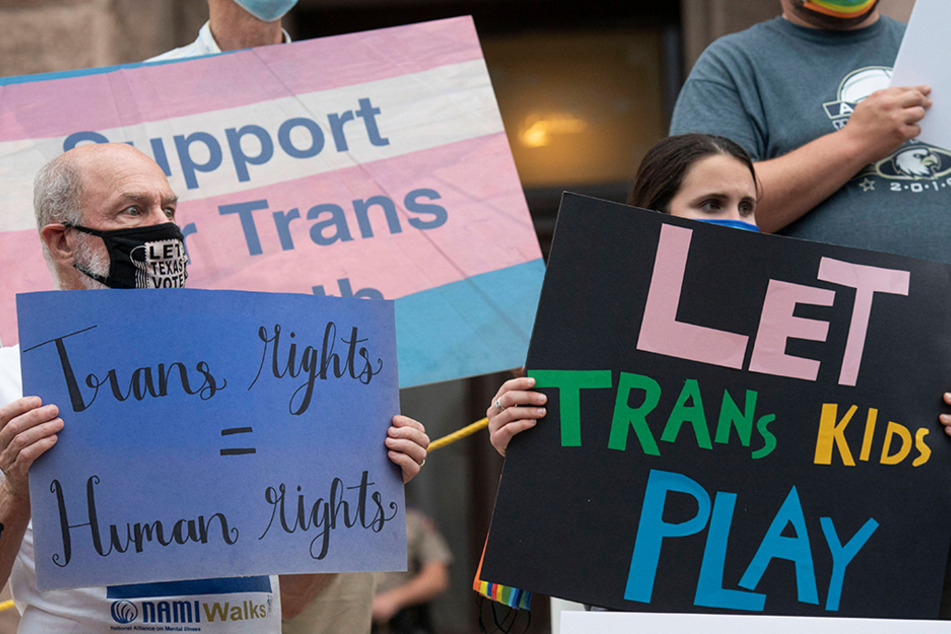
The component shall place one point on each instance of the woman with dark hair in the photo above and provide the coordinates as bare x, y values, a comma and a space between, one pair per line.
695, 176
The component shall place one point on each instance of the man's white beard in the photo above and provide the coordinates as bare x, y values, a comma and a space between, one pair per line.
92, 259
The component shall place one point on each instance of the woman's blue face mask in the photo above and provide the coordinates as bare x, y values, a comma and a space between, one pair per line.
736, 224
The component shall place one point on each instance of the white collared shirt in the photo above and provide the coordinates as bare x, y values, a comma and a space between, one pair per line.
205, 44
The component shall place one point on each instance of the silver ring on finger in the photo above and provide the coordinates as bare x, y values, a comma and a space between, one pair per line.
498, 405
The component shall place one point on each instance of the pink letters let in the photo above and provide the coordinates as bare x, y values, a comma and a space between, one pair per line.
662, 333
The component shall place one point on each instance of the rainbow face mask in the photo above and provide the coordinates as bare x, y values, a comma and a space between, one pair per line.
835, 14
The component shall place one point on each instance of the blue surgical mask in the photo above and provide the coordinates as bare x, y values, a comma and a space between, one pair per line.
736, 224
267, 10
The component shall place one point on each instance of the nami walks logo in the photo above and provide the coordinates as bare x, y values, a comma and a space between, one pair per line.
183, 615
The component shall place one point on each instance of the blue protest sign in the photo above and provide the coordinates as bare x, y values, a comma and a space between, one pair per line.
212, 434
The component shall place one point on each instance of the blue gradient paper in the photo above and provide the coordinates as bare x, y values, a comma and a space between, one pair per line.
211, 434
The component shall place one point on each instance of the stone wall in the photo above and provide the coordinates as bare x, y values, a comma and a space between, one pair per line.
38, 36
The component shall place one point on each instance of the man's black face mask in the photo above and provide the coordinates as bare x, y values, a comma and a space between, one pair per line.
152, 256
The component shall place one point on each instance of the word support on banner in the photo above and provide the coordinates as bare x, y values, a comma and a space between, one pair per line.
322, 167
211, 434
741, 422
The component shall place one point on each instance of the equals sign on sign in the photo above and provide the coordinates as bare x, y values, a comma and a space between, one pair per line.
241, 450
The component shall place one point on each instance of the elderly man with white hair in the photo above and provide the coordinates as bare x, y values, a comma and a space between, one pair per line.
96, 206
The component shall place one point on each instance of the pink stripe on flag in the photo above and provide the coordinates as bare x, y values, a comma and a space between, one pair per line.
486, 222
484, 230
24, 271
155, 92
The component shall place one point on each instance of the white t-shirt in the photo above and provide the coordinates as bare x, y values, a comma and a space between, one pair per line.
210, 606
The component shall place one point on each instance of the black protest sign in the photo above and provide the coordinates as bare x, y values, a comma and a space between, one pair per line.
736, 422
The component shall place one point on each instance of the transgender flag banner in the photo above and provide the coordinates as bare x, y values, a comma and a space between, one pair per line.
372, 165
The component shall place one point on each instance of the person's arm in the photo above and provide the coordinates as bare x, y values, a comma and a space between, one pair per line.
27, 430
795, 183
431, 581
514, 408
297, 591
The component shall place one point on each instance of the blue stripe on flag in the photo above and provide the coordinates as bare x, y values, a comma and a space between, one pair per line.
482, 324
83, 72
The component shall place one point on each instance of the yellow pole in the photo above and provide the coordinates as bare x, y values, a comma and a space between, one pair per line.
468, 430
